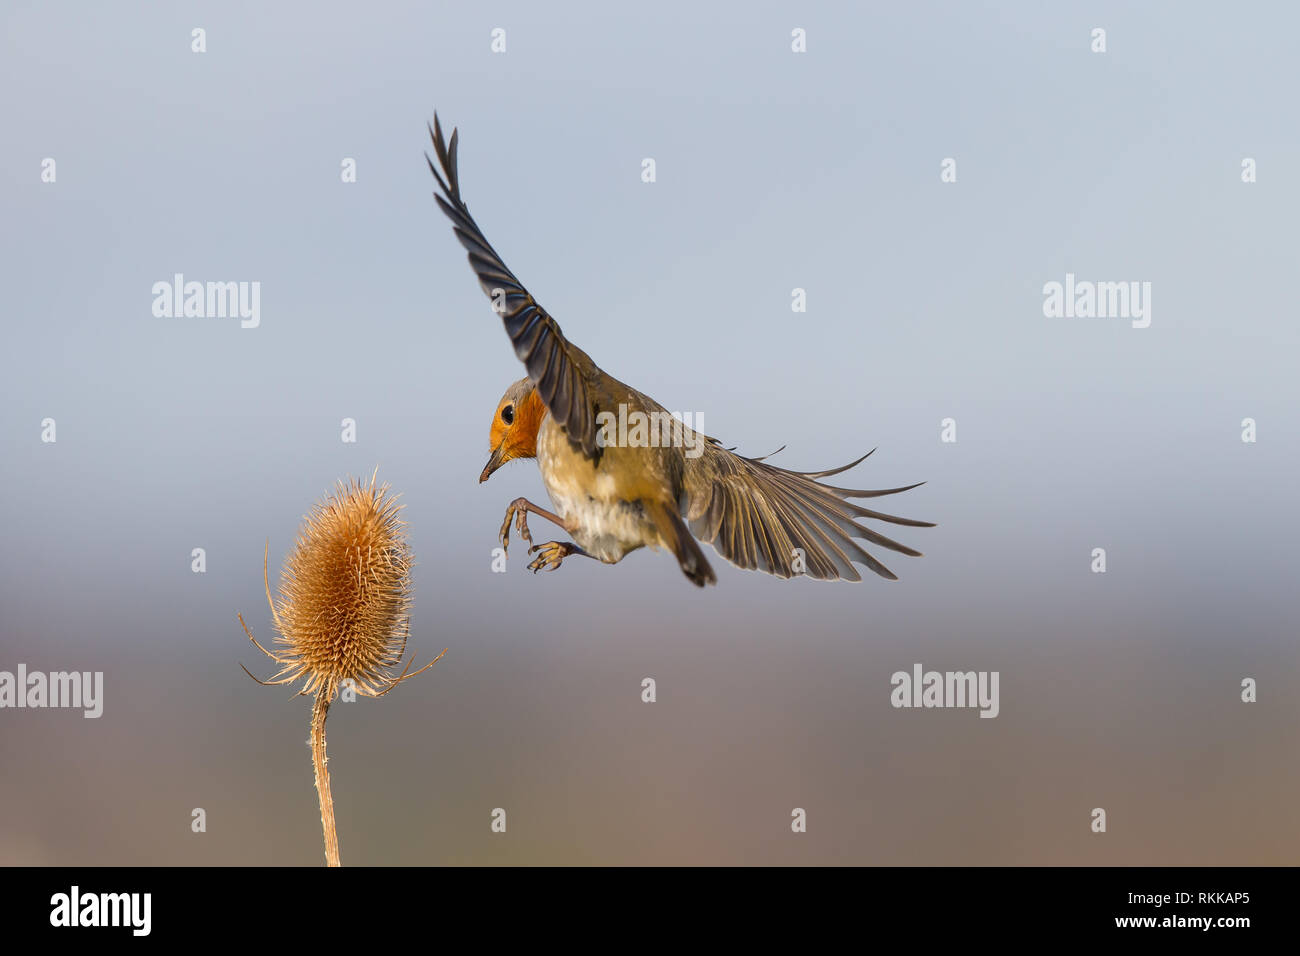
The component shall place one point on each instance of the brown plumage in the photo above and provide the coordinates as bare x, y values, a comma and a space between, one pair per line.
613, 498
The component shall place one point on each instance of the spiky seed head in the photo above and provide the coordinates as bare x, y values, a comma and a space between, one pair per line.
345, 593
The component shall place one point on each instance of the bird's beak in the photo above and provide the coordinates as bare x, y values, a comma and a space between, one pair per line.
495, 462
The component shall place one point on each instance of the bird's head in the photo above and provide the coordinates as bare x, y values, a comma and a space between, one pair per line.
514, 426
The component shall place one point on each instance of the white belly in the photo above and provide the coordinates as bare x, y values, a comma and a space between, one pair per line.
601, 524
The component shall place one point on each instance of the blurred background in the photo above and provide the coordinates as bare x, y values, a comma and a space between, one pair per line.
775, 171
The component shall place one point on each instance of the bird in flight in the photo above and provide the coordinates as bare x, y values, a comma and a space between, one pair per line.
619, 489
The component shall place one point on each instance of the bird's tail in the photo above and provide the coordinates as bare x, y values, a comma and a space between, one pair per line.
675, 534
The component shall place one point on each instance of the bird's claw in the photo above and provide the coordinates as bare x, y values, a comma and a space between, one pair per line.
550, 556
519, 512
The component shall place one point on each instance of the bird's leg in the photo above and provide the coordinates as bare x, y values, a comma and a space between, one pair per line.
552, 553
518, 509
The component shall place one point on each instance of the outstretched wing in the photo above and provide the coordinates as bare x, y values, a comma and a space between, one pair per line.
561, 371
756, 515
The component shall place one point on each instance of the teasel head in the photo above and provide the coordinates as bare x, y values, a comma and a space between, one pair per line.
344, 606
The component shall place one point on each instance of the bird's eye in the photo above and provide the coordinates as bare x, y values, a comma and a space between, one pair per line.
508, 414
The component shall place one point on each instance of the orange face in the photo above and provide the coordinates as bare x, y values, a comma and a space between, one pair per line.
514, 426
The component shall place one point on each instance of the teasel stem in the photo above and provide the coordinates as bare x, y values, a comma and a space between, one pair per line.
318, 713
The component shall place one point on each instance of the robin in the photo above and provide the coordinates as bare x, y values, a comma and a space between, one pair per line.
658, 483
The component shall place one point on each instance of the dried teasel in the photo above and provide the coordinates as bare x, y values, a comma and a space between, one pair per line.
343, 617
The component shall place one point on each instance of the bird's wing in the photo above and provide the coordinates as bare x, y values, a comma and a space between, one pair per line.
756, 515
562, 372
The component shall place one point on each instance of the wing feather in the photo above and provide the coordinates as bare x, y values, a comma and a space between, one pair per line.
756, 514
564, 375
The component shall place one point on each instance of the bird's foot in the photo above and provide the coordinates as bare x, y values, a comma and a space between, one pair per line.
517, 509
551, 554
